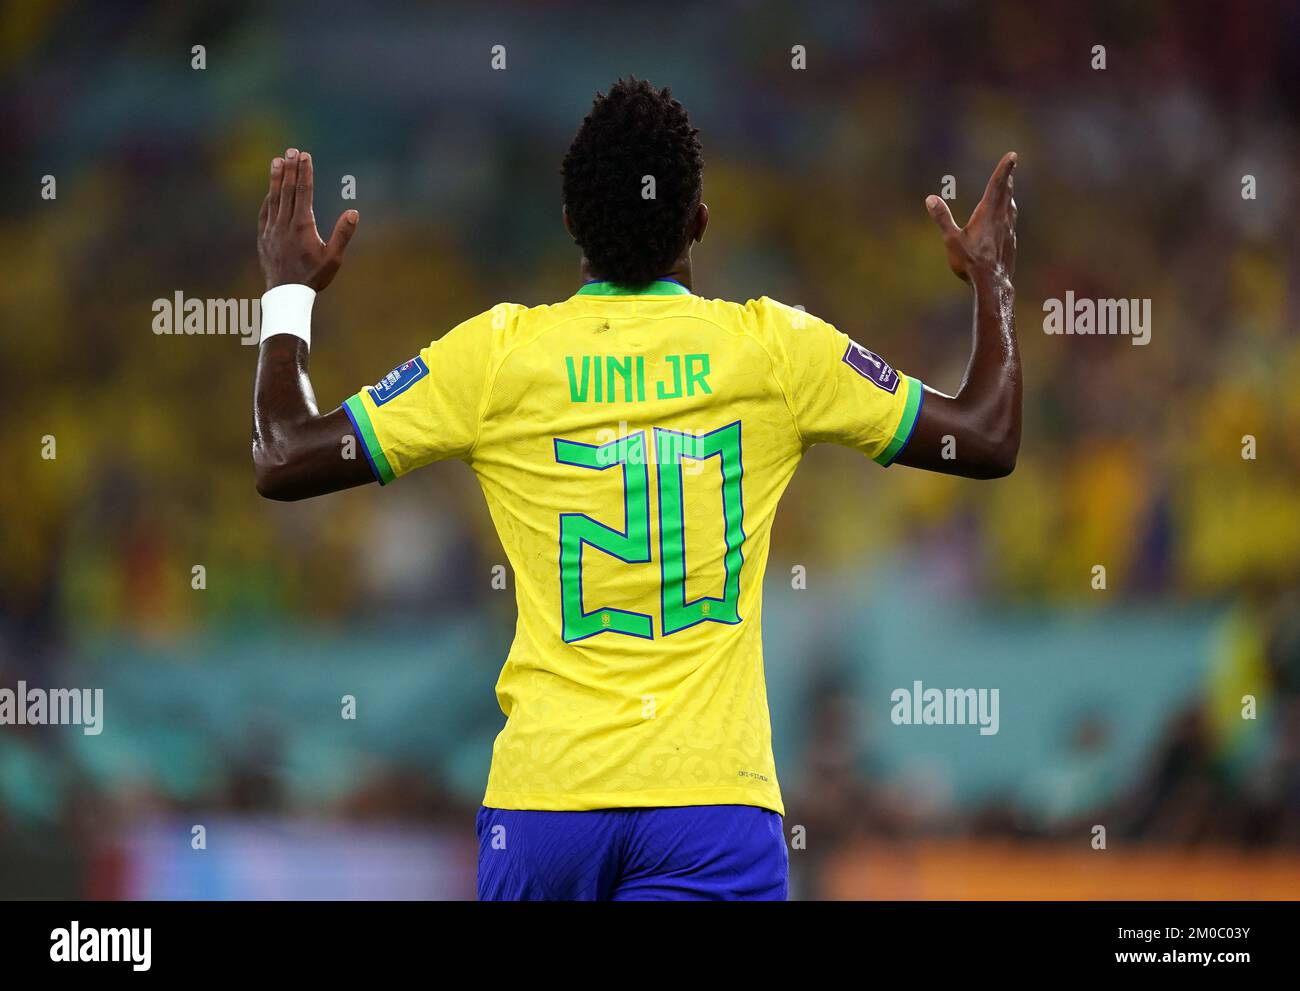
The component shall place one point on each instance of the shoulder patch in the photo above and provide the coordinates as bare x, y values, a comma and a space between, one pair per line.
398, 380
871, 367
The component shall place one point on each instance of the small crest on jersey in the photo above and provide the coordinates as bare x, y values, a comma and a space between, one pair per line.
398, 381
871, 367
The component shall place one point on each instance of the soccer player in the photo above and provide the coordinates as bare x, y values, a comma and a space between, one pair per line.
632, 442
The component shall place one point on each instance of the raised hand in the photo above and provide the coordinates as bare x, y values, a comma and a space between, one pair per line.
289, 247
987, 244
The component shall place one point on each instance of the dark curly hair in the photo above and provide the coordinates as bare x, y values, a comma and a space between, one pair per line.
633, 131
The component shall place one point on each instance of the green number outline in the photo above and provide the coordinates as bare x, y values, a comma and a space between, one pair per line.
632, 545
724, 444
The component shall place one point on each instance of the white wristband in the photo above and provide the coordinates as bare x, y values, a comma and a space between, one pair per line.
287, 310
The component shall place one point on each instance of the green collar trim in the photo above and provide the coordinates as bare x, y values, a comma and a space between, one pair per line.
660, 287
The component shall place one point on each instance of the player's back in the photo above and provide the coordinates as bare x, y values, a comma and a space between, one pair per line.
633, 448
638, 445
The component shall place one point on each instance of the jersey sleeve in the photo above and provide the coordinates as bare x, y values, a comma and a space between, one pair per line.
839, 391
429, 408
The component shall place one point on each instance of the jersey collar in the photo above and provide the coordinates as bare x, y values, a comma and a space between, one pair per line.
660, 287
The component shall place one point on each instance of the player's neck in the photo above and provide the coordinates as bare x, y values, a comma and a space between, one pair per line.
681, 272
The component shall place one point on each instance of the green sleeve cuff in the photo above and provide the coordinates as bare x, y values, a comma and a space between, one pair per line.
906, 424
365, 430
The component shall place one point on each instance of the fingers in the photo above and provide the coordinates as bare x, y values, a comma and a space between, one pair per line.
302, 200
997, 194
288, 186
272, 203
941, 215
344, 228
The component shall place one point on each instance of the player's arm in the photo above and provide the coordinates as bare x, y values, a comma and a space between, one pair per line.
983, 419
297, 452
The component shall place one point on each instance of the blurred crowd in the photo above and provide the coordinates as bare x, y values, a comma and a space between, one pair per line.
1175, 465
1224, 772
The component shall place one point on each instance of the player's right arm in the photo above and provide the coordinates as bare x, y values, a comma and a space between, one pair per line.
840, 392
976, 433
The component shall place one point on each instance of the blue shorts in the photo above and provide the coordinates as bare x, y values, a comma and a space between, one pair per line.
695, 852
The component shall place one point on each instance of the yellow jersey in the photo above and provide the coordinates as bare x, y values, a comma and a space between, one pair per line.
632, 446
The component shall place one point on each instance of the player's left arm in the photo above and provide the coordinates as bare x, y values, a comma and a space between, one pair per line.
297, 451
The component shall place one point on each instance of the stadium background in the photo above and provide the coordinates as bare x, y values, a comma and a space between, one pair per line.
1119, 707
